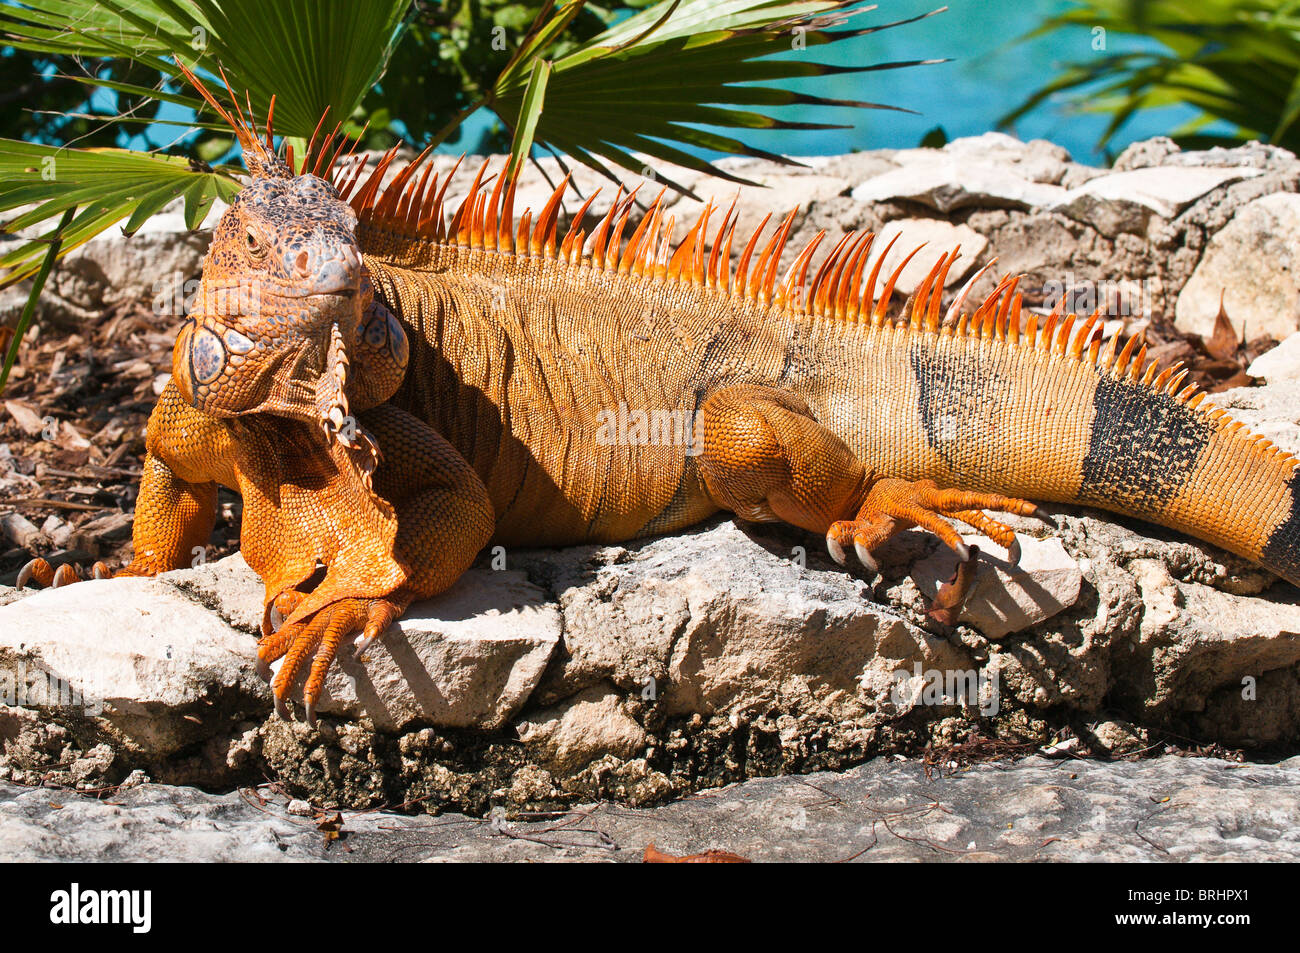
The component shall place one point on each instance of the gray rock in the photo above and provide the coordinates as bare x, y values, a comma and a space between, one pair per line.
946, 182
1164, 809
1253, 262
1004, 598
581, 729
1272, 411
1125, 201
1280, 363
155, 668
712, 622
468, 658
151, 265
938, 237
166, 662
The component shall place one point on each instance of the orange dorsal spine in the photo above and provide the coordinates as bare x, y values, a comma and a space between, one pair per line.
412, 206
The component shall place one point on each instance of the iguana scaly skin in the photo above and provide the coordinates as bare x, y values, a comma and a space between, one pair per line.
390, 391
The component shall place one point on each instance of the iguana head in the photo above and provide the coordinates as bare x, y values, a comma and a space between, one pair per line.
282, 278
283, 297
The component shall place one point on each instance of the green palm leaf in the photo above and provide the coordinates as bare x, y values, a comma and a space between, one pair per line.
312, 55
105, 185
1237, 61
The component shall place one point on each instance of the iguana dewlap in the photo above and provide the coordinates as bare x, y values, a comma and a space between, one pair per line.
389, 391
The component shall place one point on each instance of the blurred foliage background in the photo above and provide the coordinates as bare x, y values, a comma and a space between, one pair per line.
1234, 63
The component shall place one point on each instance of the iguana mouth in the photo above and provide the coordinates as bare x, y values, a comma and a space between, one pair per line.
342, 294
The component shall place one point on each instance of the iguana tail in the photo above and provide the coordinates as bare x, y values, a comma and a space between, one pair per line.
1053, 413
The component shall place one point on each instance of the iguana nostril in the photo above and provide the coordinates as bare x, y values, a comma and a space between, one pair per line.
301, 264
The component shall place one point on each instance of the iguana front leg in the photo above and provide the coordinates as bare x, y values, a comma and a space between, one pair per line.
766, 458
444, 518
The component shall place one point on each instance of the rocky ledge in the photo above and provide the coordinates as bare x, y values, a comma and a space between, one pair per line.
1166, 809
646, 671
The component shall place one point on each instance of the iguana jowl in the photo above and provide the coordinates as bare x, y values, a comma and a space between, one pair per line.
389, 391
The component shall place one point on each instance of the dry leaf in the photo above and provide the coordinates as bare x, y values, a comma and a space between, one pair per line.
1222, 344
654, 856
25, 416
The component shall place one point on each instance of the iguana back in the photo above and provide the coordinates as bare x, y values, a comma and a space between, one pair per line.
524, 348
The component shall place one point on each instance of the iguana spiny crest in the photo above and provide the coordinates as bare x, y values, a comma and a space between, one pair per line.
285, 304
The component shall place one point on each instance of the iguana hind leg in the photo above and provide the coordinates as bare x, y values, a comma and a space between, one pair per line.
766, 458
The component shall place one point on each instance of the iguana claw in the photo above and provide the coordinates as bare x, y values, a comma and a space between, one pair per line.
948, 600
40, 571
318, 635
894, 505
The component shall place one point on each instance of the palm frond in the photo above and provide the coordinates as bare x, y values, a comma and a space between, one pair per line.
312, 55
104, 185
1237, 61
649, 83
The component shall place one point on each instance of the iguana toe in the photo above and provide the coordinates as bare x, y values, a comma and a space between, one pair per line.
40, 571
318, 637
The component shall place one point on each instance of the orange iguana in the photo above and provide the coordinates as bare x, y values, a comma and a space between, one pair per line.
390, 391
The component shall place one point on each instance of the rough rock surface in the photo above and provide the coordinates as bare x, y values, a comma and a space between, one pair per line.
1253, 261
1281, 363
1164, 809
684, 662
653, 669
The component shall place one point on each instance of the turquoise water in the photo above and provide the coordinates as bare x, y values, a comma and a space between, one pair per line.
990, 74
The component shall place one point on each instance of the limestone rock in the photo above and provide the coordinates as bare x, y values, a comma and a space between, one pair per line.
1279, 363
1254, 261
1036, 160
712, 621
1272, 411
945, 182
151, 265
1004, 598
1158, 809
1124, 201
587, 726
157, 668
466, 658
154, 654
1200, 640
469, 657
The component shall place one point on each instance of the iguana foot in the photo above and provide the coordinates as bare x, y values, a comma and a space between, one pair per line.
895, 505
40, 571
318, 635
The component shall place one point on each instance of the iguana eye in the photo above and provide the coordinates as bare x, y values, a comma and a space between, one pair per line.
252, 244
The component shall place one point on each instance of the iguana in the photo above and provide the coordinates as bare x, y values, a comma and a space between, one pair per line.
390, 390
